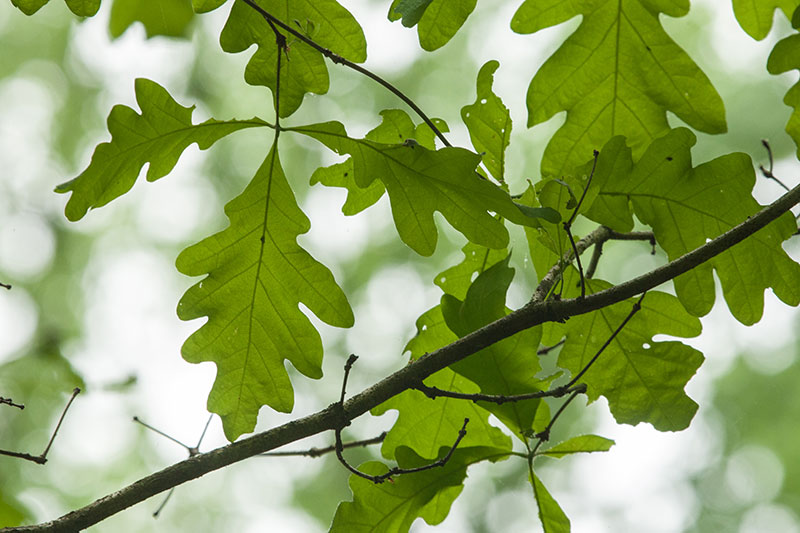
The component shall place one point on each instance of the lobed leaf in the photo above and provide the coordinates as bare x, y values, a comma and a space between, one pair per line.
687, 206
642, 379
426, 425
303, 70
617, 74
489, 123
159, 17
420, 181
508, 367
755, 16
783, 58
437, 21
158, 136
256, 277
392, 507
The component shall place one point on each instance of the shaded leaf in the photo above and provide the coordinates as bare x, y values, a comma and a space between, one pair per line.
420, 181
204, 6
158, 136
580, 444
303, 69
426, 425
686, 206
489, 122
507, 367
617, 74
550, 513
755, 16
410, 11
159, 17
642, 379
257, 275
83, 8
393, 506
29, 7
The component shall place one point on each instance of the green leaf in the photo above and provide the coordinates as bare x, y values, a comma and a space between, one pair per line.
618, 74
158, 136
303, 69
687, 206
257, 277
755, 16
642, 379
29, 7
580, 444
83, 8
783, 58
427, 425
392, 507
159, 17
204, 6
420, 181
489, 123
437, 20
507, 367
456, 280
550, 513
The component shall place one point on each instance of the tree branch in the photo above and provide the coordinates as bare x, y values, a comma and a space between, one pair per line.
533, 313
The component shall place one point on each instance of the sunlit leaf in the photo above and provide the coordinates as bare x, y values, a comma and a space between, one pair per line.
420, 181
687, 206
619, 73
158, 136
755, 16
257, 275
204, 6
580, 444
489, 123
303, 69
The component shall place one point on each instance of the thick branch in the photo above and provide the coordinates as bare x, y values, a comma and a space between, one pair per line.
532, 314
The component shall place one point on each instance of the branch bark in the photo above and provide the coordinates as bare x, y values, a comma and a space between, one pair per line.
532, 314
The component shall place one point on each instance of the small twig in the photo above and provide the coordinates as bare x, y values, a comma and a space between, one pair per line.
635, 309
499, 399
544, 435
9, 401
318, 452
5, 285
768, 172
617, 236
568, 224
596, 253
395, 471
544, 350
42, 458
337, 59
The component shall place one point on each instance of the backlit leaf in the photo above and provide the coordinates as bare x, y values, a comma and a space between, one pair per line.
303, 69
437, 21
550, 513
158, 136
159, 17
617, 74
755, 16
783, 58
257, 275
580, 444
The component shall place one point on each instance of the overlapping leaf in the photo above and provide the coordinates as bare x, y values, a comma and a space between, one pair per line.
393, 507
783, 58
159, 17
420, 181
489, 123
642, 379
158, 136
686, 206
82, 8
396, 127
257, 275
618, 74
437, 21
303, 70
755, 16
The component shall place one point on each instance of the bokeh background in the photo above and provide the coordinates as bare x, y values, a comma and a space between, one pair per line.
93, 303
